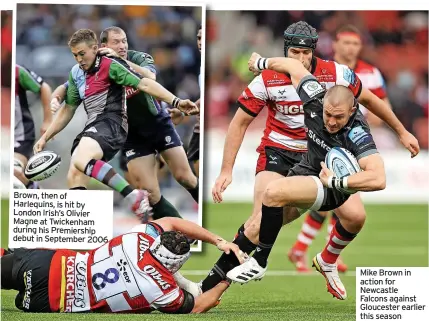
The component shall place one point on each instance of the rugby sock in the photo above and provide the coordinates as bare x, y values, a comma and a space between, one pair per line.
332, 221
338, 240
309, 230
271, 224
164, 209
227, 261
194, 192
105, 174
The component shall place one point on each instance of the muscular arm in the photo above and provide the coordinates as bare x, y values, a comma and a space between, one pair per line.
372, 177
293, 67
234, 138
156, 90
145, 72
208, 299
45, 97
59, 93
382, 110
60, 122
189, 228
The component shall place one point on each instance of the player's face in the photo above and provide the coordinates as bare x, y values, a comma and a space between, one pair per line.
118, 42
348, 47
199, 35
302, 54
84, 54
336, 117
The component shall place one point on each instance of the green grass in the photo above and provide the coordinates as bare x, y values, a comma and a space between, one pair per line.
394, 235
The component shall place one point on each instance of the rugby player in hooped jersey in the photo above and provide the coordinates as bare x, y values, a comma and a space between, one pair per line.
100, 83
284, 140
132, 273
347, 46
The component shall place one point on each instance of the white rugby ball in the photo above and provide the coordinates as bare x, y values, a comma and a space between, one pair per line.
343, 163
42, 165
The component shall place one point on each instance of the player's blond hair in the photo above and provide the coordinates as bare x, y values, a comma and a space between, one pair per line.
83, 35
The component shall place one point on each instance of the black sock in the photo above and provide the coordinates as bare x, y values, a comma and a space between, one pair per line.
271, 224
334, 216
317, 217
194, 192
227, 262
164, 209
78, 188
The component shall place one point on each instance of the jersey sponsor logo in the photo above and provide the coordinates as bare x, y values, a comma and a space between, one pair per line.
81, 284
168, 140
271, 82
69, 283
282, 92
357, 134
290, 109
313, 114
143, 246
149, 269
317, 140
28, 285
130, 92
92, 130
312, 88
122, 264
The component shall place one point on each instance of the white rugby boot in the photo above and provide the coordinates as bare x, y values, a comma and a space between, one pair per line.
333, 281
248, 271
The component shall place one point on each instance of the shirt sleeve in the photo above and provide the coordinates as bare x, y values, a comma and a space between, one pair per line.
29, 80
348, 78
183, 302
143, 60
362, 142
254, 98
123, 74
309, 89
66, 84
380, 88
72, 97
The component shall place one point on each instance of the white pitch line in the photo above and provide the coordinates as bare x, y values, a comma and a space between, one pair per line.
269, 273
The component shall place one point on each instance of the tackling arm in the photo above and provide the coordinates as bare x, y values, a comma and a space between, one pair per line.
145, 72
209, 299
60, 122
45, 97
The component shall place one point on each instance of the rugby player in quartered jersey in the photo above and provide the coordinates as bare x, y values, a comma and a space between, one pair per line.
24, 132
99, 84
133, 273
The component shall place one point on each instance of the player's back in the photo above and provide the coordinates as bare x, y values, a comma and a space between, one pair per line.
121, 275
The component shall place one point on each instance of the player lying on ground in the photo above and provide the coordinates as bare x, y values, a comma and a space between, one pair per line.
332, 119
347, 46
100, 84
177, 116
131, 273
284, 140
24, 132
149, 127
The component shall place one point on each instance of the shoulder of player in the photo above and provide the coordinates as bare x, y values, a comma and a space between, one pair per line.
274, 78
138, 57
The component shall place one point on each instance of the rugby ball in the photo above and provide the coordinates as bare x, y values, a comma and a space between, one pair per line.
42, 166
343, 163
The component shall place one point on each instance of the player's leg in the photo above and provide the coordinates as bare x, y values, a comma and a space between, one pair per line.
351, 218
296, 191
90, 156
7, 281
143, 169
175, 157
23, 151
309, 230
194, 152
341, 266
248, 234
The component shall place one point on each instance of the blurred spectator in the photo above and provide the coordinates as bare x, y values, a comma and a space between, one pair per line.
396, 42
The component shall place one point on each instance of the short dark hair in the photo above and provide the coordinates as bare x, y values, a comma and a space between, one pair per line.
348, 28
104, 36
175, 242
83, 35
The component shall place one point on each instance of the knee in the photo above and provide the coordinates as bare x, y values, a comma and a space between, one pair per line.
73, 173
355, 221
185, 178
273, 198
